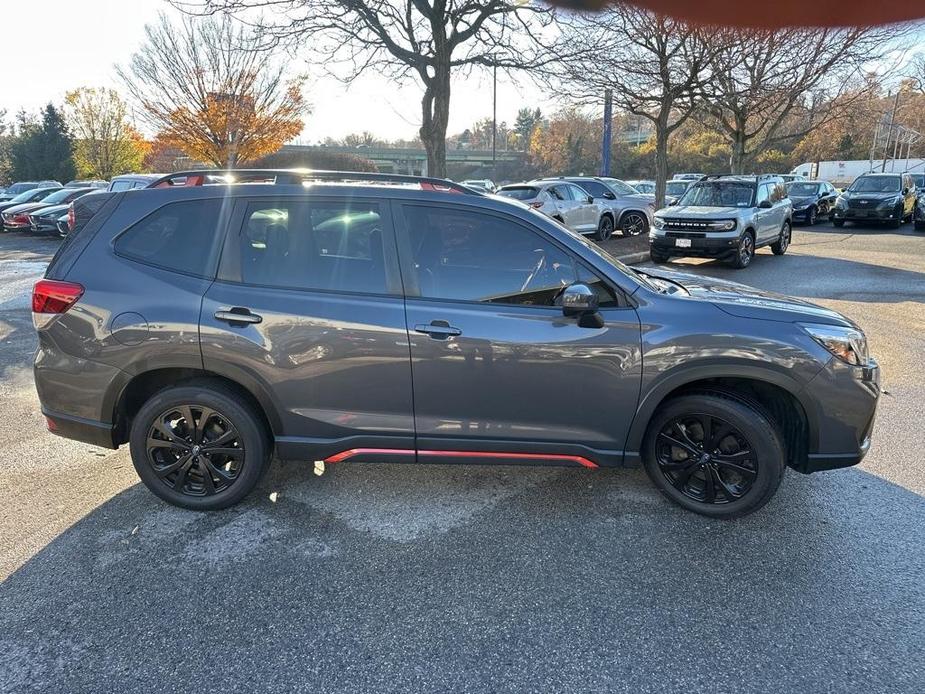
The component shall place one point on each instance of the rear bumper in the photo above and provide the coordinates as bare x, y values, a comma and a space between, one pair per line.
703, 247
845, 403
79, 429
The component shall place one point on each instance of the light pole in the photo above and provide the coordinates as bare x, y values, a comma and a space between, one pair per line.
494, 122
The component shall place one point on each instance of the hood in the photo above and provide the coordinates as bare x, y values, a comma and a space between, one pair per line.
23, 207
848, 195
696, 212
49, 210
802, 199
748, 302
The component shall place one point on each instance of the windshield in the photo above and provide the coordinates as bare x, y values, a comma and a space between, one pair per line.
719, 194
28, 196
799, 188
675, 187
59, 196
643, 186
875, 184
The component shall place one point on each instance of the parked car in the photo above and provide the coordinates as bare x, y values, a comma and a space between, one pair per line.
918, 216
89, 183
81, 211
918, 179
485, 184
790, 178
887, 198
17, 216
726, 217
632, 211
647, 187
566, 203
24, 186
132, 181
32, 195
687, 176
811, 199
195, 335
675, 189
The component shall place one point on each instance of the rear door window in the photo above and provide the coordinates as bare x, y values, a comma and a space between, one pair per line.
316, 245
180, 236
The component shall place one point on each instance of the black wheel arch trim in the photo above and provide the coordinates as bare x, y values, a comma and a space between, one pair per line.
653, 397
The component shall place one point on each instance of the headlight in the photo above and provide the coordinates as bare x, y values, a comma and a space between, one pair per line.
658, 223
726, 225
841, 203
847, 344
889, 202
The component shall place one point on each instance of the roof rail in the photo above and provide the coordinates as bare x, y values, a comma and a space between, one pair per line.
200, 177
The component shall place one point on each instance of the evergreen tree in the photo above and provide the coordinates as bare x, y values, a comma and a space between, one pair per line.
43, 149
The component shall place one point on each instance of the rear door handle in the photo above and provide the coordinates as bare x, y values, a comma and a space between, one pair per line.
438, 329
238, 316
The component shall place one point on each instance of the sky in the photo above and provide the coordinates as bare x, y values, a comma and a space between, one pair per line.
83, 40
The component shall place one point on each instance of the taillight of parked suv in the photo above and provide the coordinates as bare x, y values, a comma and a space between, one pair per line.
51, 298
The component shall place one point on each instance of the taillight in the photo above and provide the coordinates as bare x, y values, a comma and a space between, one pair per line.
71, 217
51, 298
536, 204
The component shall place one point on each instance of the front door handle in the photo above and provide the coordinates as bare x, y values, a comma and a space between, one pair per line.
438, 329
238, 316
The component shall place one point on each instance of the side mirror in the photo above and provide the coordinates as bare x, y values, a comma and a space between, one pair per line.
577, 299
765, 205
590, 199
905, 191
609, 195
672, 202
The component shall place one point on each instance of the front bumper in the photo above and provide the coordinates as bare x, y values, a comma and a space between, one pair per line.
875, 214
40, 225
844, 402
701, 246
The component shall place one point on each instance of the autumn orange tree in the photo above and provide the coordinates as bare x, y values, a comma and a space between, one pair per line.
106, 143
212, 89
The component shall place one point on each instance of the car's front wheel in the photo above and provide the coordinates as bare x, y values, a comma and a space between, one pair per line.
838, 223
604, 228
811, 216
634, 224
714, 453
198, 446
745, 251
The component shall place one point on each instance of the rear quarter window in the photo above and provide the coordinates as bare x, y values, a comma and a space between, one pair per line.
180, 236
522, 193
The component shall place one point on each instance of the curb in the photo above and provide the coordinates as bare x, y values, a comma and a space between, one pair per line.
633, 258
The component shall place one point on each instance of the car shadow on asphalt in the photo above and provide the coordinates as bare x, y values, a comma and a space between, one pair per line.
441, 578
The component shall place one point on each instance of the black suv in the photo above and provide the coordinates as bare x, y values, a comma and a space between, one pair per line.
334, 317
877, 197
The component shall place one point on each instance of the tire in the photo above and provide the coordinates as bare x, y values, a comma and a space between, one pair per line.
634, 223
604, 228
811, 216
658, 258
728, 471
919, 226
780, 246
745, 252
895, 224
233, 474
838, 223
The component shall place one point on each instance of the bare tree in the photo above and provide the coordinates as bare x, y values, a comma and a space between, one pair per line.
424, 40
769, 88
212, 90
655, 65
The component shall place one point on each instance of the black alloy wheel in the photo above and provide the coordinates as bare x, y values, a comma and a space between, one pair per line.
706, 458
633, 224
780, 246
200, 445
195, 450
811, 216
604, 228
716, 453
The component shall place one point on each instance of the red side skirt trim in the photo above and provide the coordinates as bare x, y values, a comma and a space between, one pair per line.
353, 452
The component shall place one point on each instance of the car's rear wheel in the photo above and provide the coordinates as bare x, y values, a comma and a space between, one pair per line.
745, 251
604, 228
780, 246
199, 447
633, 224
714, 453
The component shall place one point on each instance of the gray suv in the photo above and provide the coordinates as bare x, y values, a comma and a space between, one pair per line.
380, 318
725, 217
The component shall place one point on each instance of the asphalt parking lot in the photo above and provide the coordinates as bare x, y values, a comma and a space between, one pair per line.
441, 578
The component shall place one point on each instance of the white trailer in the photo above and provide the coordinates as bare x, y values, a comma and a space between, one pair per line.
842, 173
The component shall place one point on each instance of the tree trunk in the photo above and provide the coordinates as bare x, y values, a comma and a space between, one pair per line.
435, 112
661, 163
737, 158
